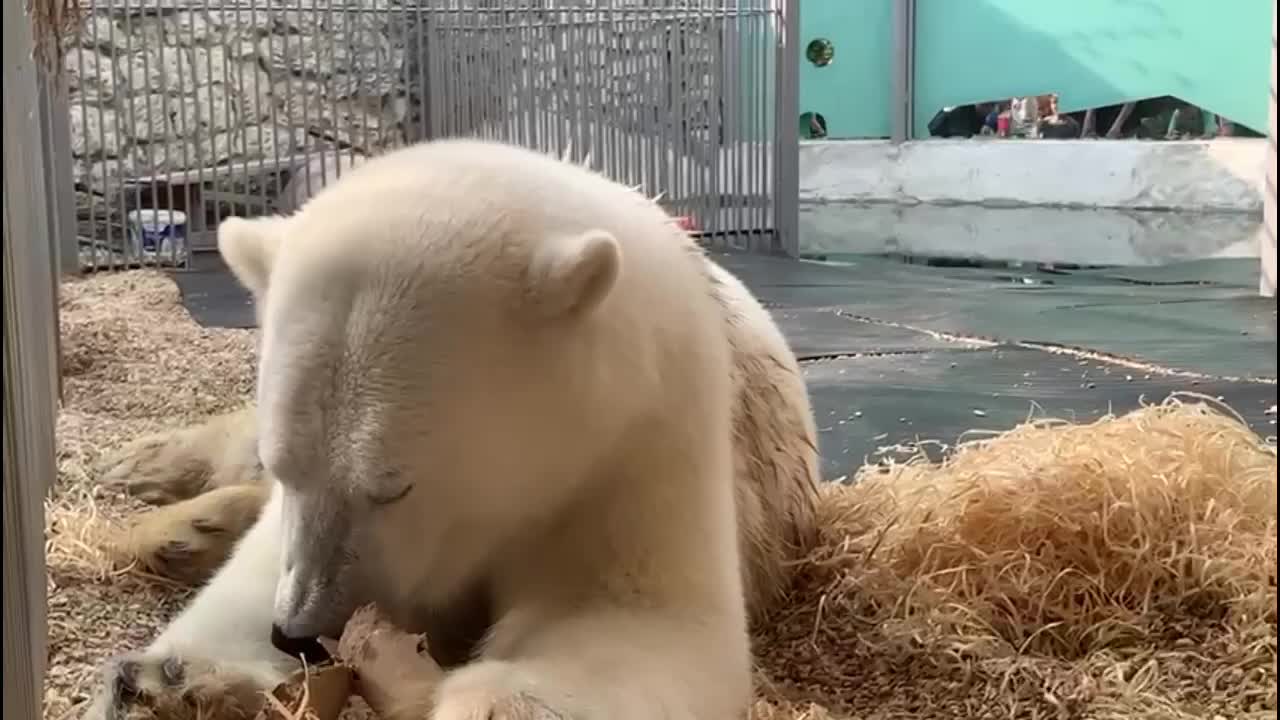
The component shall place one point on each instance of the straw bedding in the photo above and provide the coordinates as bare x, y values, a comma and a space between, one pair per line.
1124, 569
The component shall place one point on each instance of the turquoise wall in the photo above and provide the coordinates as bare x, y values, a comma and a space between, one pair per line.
854, 91
1213, 53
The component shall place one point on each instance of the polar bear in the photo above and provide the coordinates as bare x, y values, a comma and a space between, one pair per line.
518, 409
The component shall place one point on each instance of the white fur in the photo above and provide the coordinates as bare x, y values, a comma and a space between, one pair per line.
537, 355
230, 619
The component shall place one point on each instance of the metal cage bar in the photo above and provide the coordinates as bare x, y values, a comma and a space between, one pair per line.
192, 110
1267, 283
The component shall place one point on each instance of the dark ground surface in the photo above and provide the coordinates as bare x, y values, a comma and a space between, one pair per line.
896, 351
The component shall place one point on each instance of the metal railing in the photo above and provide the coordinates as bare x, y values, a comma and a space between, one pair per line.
182, 112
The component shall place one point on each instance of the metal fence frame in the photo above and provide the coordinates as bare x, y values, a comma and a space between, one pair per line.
1267, 280
30, 370
745, 198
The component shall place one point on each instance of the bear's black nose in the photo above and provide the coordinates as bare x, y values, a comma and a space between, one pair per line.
310, 649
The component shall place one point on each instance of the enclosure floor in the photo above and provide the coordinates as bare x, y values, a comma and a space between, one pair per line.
135, 362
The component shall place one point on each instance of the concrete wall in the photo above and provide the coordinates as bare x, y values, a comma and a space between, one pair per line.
1200, 176
1030, 234
1078, 201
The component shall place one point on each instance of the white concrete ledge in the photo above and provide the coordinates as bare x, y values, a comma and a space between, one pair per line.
1029, 234
1224, 175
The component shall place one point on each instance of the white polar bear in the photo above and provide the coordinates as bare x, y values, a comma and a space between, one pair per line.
510, 402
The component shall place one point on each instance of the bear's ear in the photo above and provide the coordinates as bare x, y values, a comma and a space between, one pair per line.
249, 247
572, 275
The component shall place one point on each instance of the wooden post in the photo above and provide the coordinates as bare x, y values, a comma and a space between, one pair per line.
30, 371
1267, 284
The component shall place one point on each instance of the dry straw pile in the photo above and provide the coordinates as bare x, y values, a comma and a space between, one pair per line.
1124, 569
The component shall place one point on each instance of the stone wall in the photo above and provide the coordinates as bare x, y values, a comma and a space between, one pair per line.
174, 88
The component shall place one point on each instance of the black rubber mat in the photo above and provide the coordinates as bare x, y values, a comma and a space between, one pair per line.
870, 332
866, 403
213, 296
1202, 316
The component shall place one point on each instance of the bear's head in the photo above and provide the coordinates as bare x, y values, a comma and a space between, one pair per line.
452, 344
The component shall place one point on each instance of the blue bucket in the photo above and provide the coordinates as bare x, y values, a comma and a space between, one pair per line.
158, 234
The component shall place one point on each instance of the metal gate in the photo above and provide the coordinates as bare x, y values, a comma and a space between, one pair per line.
198, 109
682, 98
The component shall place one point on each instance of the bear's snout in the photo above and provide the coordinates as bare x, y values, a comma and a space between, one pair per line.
308, 648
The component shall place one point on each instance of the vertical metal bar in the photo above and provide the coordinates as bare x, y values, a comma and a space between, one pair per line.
30, 365
628, 116
191, 200
204, 123
375, 138
30, 372
470, 86
513, 77
743, 110
55, 110
339, 125
425, 28
766, 39
289, 111
640, 108
557, 71
153, 168
491, 62
677, 110
610, 97
481, 89
660, 77
714, 43
544, 74
655, 111
680, 117
55, 147
486, 64
304, 164
401, 104
125, 254
458, 68
333, 126
454, 69
229, 181
131, 169
86, 163
430, 84
1267, 283
699, 83
519, 101
754, 100
598, 41
902, 67
261, 117
786, 138
759, 63
149, 171
574, 65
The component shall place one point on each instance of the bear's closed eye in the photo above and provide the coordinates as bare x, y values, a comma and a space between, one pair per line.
390, 498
